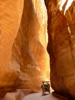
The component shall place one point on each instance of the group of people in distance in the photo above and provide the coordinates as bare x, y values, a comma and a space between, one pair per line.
45, 87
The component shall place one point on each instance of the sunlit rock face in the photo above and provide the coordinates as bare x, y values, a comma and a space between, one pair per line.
29, 49
61, 47
24, 61
10, 17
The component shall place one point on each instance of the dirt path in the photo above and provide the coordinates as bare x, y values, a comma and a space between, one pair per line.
38, 96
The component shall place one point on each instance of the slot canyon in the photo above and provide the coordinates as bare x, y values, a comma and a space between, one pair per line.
37, 44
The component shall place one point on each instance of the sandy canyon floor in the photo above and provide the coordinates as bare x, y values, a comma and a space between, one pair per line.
46, 96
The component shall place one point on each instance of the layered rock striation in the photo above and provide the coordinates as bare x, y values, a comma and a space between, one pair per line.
10, 17
61, 46
24, 61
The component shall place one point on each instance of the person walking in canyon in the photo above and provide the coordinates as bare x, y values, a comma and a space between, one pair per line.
48, 87
45, 87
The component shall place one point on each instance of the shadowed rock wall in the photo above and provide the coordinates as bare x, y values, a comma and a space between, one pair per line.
61, 46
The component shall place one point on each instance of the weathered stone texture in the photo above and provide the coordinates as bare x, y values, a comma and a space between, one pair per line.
10, 17
23, 41
61, 46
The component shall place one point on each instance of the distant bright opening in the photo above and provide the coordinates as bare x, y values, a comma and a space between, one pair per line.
61, 3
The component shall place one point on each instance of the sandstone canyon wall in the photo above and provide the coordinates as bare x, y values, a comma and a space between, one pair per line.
61, 47
10, 17
24, 60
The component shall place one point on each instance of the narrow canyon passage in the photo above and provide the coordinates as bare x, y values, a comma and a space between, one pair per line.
38, 96
37, 42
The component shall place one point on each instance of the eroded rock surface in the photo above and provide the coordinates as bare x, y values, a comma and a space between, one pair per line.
10, 17
24, 59
29, 49
18, 94
61, 46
